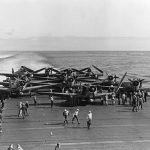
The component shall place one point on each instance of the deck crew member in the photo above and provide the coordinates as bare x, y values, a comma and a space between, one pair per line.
89, 119
106, 99
35, 100
23, 110
123, 98
66, 114
140, 100
11, 147
57, 147
20, 110
26, 108
113, 98
1, 117
75, 116
2, 102
19, 147
134, 102
145, 96
52, 101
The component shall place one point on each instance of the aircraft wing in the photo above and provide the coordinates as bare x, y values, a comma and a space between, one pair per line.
39, 70
35, 87
57, 94
4, 83
40, 81
8, 74
102, 94
4, 89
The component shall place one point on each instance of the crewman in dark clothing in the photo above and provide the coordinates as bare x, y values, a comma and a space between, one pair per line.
2, 101
23, 110
10, 147
57, 147
66, 114
26, 108
134, 103
145, 96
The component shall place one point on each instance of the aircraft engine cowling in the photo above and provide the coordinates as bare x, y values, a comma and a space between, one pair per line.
70, 79
69, 71
92, 89
135, 83
22, 83
110, 78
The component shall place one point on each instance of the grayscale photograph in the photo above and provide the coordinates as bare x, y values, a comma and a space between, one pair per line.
74, 74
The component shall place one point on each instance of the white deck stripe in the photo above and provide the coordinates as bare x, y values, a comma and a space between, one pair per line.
88, 143
103, 142
42, 128
101, 126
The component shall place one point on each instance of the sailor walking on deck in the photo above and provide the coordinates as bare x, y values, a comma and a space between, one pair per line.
19, 147
11, 147
35, 100
66, 114
20, 110
89, 119
75, 116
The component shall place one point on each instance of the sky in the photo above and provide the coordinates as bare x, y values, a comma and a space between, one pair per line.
74, 24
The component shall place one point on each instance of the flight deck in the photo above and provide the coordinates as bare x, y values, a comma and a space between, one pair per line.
114, 127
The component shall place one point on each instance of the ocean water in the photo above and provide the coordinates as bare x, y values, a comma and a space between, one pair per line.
135, 63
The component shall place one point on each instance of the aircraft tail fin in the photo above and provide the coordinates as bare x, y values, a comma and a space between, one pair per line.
13, 71
27, 69
38, 70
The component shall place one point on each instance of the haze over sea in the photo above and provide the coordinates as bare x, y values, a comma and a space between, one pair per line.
136, 63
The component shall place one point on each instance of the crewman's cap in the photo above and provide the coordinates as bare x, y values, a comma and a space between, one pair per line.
89, 111
65, 109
